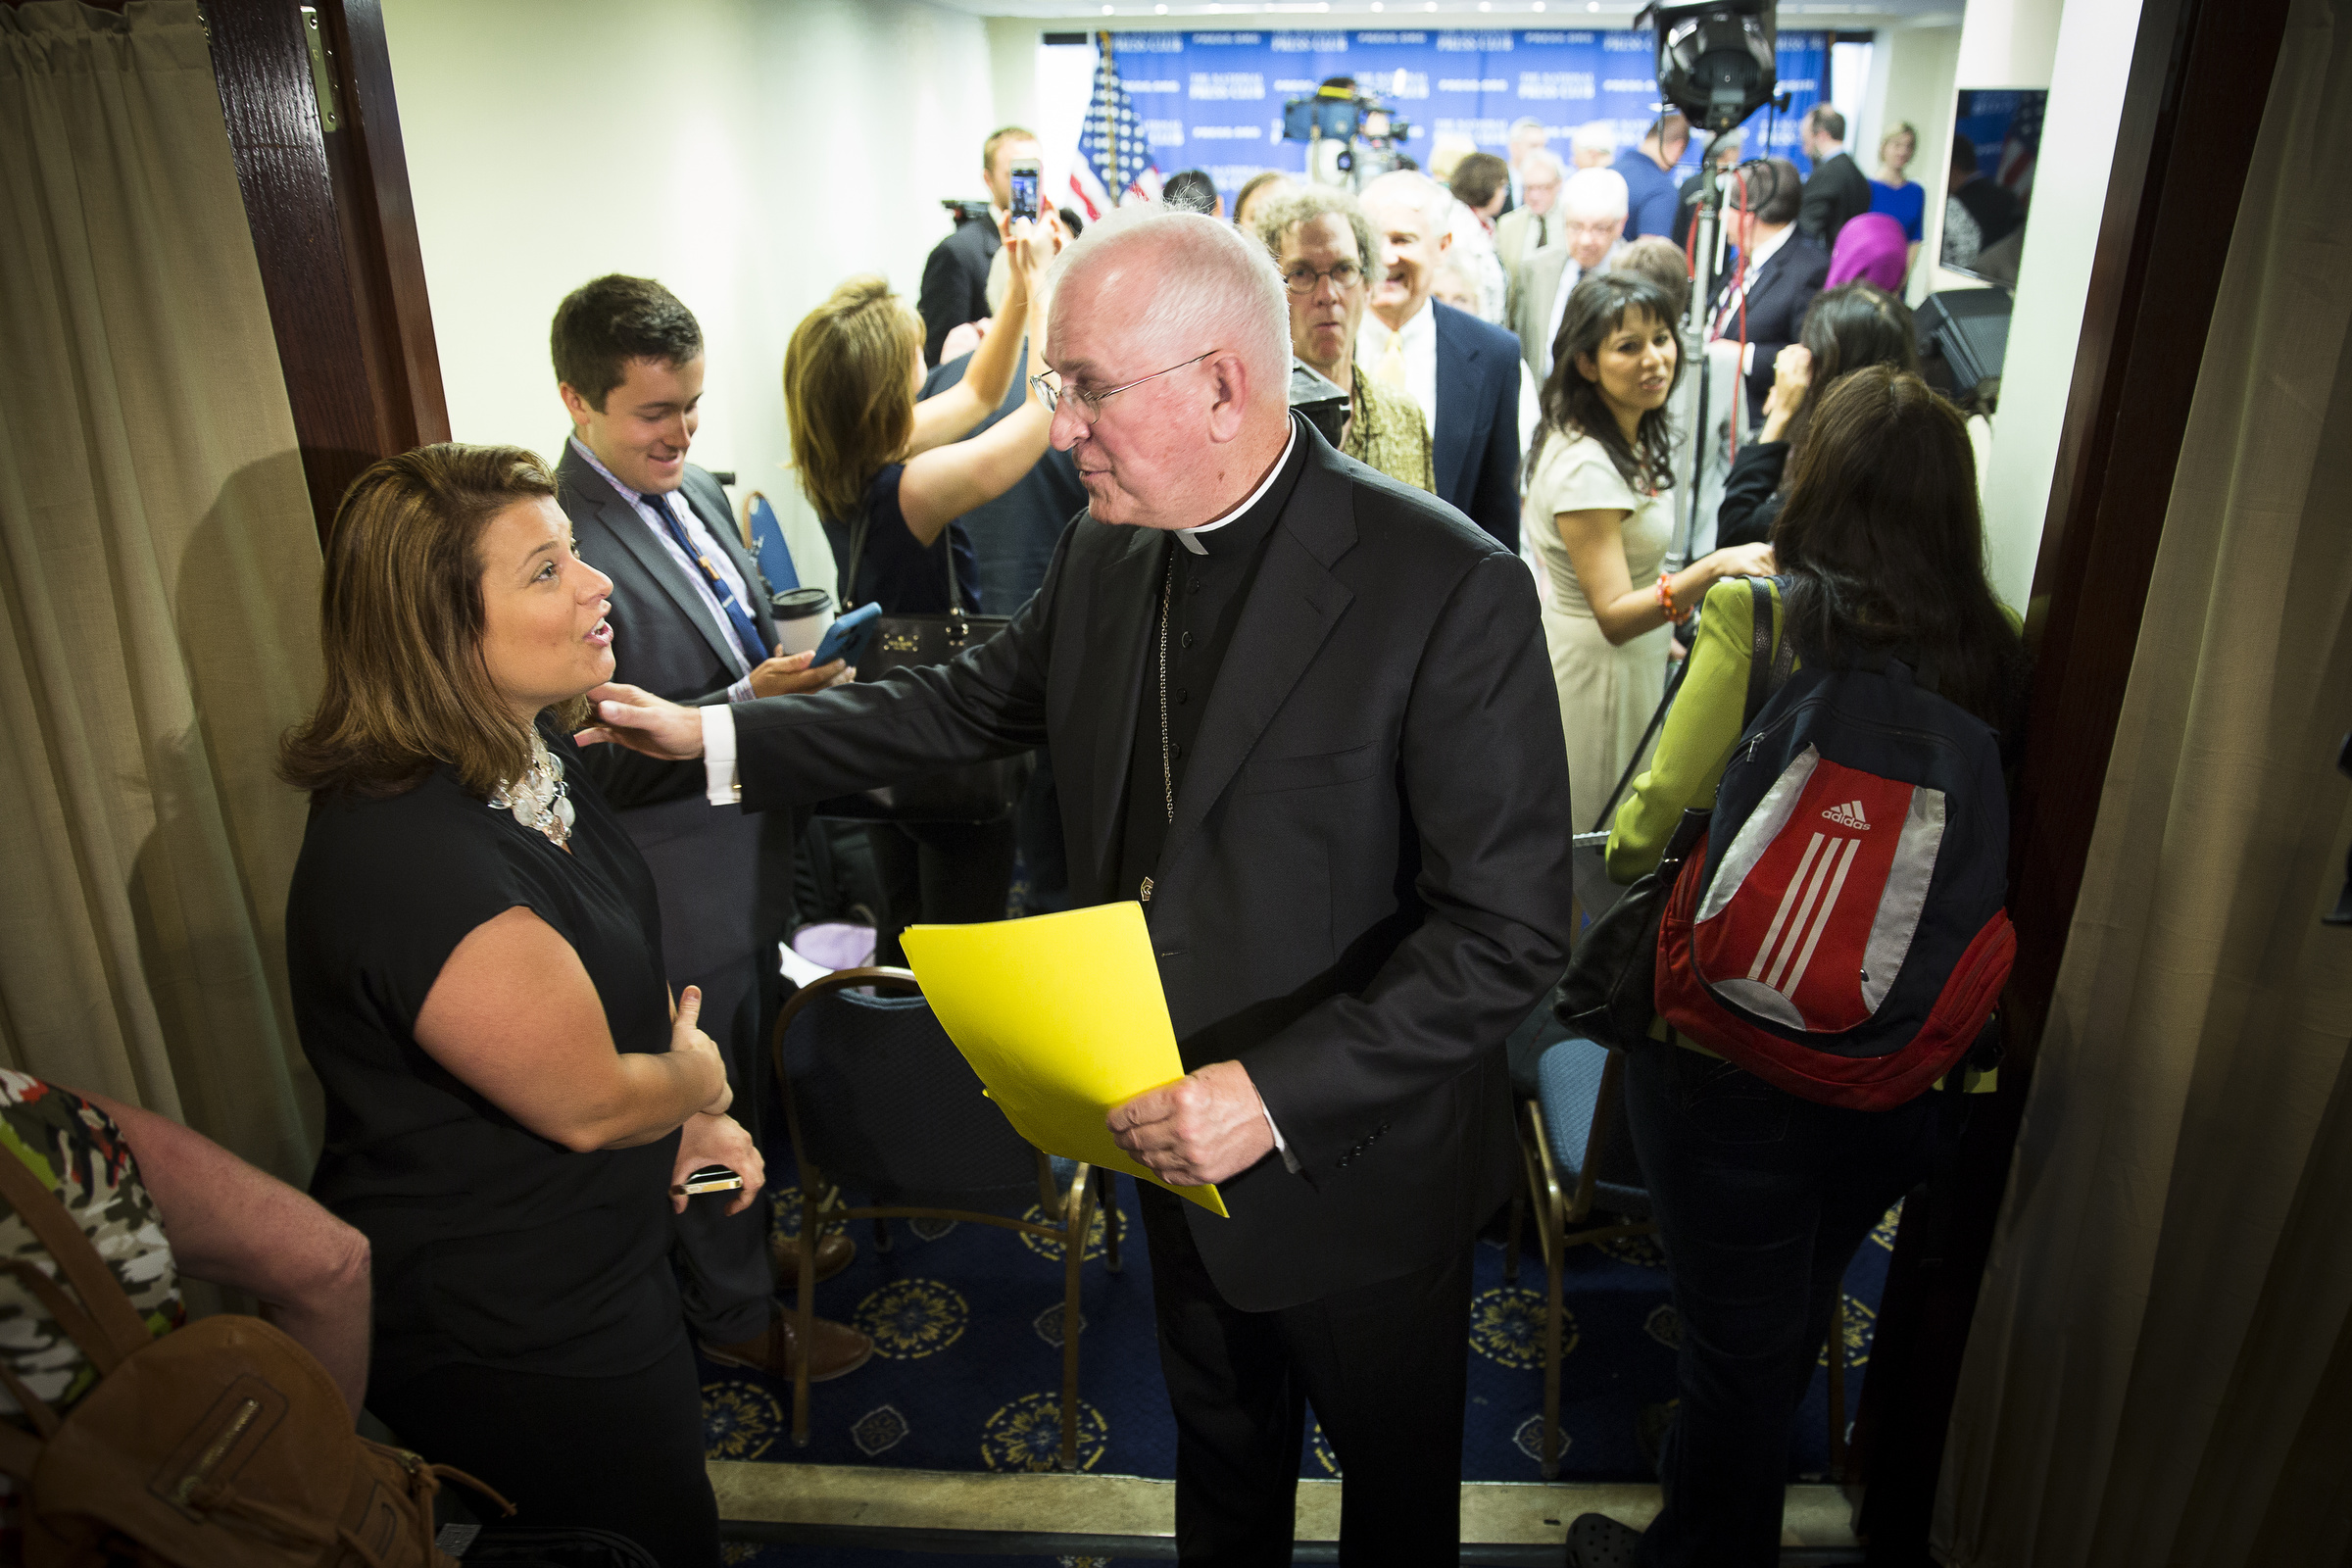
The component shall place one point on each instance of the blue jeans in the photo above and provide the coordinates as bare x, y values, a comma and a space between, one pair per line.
1761, 1199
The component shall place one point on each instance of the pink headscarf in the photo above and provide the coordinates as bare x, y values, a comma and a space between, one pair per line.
1870, 247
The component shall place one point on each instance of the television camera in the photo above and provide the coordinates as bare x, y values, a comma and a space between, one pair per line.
1352, 134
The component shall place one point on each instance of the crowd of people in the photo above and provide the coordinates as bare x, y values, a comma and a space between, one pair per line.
1328, 711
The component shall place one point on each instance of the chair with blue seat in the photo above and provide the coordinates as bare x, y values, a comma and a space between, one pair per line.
1579, 1159
1579, 1154
878, 1101
767, 544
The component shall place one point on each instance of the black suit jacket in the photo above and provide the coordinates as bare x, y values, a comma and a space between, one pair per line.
1366, 884
1475, 447
956, 283
1778, 297
1835, 193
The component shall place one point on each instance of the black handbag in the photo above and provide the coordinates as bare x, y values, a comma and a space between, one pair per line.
977, 792
1609, 993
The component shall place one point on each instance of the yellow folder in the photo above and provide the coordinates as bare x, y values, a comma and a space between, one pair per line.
1062, 1017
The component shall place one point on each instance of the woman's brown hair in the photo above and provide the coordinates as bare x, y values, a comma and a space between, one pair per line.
847, 399
1881, 546
400, 622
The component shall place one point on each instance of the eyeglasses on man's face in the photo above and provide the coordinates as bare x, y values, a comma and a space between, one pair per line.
1089, 402
1300, 278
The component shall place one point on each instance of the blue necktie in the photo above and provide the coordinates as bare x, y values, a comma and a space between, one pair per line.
747, 631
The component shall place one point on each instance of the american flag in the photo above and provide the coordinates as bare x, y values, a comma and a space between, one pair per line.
1113, 152
2021, 148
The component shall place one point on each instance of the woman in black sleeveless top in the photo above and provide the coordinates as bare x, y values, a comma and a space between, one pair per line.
475, 953
889, 472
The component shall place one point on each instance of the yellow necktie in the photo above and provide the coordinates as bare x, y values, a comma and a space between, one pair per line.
1389, 372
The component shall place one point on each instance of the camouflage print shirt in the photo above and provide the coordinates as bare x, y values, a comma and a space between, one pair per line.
79, 1153
1386, 431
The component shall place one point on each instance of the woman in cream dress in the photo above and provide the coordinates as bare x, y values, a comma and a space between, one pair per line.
1599, 519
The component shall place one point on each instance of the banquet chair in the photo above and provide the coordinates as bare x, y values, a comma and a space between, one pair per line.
1579, 1159
765, 541
879, 1102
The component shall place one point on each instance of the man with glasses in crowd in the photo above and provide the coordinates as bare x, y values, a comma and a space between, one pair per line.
1319, 239
1303, 716
1592, 208
1534, 223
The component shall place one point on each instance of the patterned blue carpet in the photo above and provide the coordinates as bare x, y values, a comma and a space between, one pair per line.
967, 1326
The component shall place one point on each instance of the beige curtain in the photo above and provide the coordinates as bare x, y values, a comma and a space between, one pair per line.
2161, 1368
159, 580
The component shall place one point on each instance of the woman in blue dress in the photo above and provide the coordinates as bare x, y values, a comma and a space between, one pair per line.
1904, 200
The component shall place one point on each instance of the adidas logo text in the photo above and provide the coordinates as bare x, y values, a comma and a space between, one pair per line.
1848, 815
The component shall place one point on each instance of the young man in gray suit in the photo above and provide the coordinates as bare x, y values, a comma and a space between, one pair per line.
1348, 829
690, 619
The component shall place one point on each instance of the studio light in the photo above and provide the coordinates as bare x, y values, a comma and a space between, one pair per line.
1715, 61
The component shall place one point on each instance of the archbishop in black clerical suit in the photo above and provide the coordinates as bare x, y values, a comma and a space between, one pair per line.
1364, 886
1366, 881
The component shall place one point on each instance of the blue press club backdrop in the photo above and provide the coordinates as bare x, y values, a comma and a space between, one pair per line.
1213, 100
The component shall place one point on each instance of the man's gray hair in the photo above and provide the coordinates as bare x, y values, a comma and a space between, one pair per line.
1304, 207
1424, 195
1595, 137
1218, 290
1524, 122
1549, 158
1595, 193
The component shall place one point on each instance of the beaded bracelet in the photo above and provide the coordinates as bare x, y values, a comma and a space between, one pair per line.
1666, 598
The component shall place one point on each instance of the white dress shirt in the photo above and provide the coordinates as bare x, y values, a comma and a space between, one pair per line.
644, 505
1420, 344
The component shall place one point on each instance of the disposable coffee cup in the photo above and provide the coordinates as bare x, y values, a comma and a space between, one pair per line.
802, 617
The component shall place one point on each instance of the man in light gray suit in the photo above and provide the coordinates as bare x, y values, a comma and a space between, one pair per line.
1591, 226
690, 618
1535, 223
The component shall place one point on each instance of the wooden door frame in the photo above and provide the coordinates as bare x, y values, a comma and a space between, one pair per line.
2200, 75
335, 229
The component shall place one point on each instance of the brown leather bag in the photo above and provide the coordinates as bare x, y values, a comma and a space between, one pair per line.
221, 1445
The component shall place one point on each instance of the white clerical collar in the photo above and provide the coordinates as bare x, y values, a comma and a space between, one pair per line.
1184, 536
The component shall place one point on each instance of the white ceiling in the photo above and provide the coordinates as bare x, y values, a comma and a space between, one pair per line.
1809, 14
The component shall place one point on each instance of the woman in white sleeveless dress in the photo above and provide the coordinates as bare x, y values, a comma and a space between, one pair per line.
1599, 519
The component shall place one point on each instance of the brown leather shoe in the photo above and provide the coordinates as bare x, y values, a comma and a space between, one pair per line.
833, 1253
839, 1349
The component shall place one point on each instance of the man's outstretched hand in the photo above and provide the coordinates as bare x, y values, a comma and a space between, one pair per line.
1207, 1126
631, 716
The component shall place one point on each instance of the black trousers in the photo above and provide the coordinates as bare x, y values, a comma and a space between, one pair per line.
619, 1453
1385, 1367
952, 873
1761, 1199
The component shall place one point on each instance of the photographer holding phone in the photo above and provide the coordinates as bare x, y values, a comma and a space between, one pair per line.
889, 472
474, 949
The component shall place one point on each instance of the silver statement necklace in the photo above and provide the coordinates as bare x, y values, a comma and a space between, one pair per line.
540, 799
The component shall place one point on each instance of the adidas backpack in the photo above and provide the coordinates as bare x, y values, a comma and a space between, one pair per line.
1839, 932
